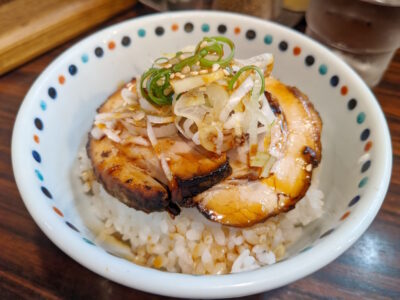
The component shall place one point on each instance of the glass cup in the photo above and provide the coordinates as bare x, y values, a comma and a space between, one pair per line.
365, 33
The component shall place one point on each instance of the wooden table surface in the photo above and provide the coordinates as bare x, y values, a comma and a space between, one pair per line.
31, 266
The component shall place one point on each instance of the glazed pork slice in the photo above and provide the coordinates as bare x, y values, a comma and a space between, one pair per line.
241, 200
132, 173
124, 179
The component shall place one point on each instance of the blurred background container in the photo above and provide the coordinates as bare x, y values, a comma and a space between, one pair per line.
365, 33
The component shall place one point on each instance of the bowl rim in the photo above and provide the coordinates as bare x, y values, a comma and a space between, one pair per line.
210, 286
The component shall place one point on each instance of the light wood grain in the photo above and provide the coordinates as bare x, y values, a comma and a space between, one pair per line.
31, 27
32, 267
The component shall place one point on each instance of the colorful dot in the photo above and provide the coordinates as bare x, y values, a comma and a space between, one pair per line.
38, 123
309, 60
71, 226
36, 139
323, 69
365, 134
236, 30
61, 79
111, 45
352, 104
345, 215
72, 69
99, 52
43, 105
268, 39
334, 80
126, 41
159, 30
88, 241
85, 58
368, 146
296, 51
344, 90
205, 28
363, 182
46, 192
354, 200
39, 175
327, 233
58, 212
361, 117
188, 27
365, 166
251, 34
52, 93
141, 32
36, 156
174, 27
222, 28
283, 46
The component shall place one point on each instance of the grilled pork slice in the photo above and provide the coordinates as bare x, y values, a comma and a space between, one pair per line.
240, 200
132, 173
124, 179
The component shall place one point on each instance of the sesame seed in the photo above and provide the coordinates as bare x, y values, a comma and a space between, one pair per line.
181, 76
309, 168
178, 74
203, 71
186, 70
226, 72
194, 73
215, 67
172, 76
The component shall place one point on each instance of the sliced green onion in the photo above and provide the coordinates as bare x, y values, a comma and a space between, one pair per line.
247, 68
222, 62
159, 60
186, 62
155, 92
161, 94
145, 76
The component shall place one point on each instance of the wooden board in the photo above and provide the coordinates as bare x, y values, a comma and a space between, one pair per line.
31, 27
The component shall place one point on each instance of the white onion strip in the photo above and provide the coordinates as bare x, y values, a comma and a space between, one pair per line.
220, 140
150, 134
165, 130
145, 105
186, 127
266, 110
165, 167
138, 140
160, 120
180, 129
103, 117
97, 133
161, 157
128, 96
235, 98
112, 135
196, 138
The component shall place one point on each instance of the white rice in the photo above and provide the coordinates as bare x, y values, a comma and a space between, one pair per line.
190, 243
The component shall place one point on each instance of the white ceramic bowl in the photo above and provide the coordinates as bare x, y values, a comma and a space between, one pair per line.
58, 111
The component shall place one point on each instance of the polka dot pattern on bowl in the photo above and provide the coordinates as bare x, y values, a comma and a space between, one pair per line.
308, 60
